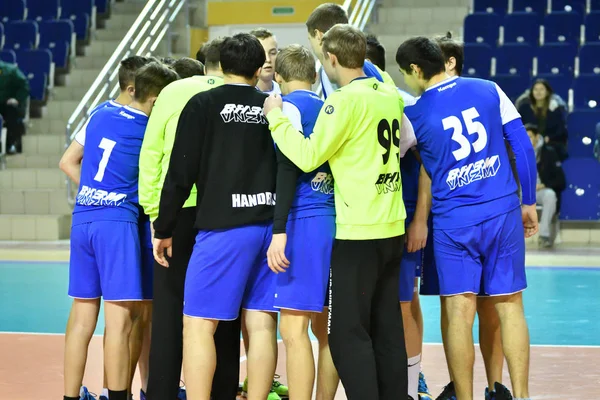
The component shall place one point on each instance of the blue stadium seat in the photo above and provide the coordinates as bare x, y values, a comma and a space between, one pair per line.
582, 131
515, 59
589, 59
522, 27
80, 12
538, 7
57, 36
580, 200
491, 6
12, 10
21, 35
36, 65
478, 60
560, 83
482, 28
556, 58
1, 35
592, 27
586, 91
512, 85
569, 5
102, 7
8, 56
562, 26
595, 5
40, 10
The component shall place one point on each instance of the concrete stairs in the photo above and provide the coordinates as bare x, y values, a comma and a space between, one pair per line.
33, 195
400, 20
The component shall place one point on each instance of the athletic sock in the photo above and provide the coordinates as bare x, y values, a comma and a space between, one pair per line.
414, 367
70, 398
105, 393
117, 394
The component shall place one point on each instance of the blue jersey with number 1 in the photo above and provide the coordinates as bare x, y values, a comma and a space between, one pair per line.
460, 128
110, 167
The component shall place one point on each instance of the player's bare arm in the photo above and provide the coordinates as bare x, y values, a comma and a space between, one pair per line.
418, 229
70, 162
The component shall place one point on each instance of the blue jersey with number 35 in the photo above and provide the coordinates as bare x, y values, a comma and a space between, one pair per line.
459, 125
110, 166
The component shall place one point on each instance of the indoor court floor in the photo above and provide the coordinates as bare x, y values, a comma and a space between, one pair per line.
562, 306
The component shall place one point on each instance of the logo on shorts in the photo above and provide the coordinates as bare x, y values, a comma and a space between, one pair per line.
329, 110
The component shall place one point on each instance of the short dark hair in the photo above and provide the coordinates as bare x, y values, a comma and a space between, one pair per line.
424, 53
212, 53
324, 17
348, 44
242, 55
533, 128
128, 68
375, 52
168, 61
296, 63
261, 33
452, 48
187, 67
151, 79
201, 54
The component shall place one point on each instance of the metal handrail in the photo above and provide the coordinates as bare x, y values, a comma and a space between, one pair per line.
150, 27
358, 17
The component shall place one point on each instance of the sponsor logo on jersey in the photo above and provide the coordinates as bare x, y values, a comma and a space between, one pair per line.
252, 200
388, 183
329, 109
89, 196
243, 113
481, 169
322, 182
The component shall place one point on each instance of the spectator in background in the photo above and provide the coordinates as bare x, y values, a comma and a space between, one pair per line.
187, 67
550, 182
14, 91
542, 109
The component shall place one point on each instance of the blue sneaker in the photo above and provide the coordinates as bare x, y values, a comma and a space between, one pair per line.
142, 395
84, 394
182, 395
423, 389
448, 393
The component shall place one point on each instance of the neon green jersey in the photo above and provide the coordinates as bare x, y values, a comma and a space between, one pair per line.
160, 136
386, 77
358, 132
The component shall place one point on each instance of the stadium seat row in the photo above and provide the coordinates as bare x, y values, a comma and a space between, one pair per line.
540, 7
37, 67
581, 200
525, 27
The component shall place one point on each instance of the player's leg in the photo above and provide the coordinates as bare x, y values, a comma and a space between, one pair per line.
490, 340
144, 361
119, 257
143, 358
300, 363
410, 318
166, 342
214, 287
387, 332
84, 287
328, 379
504, 280
227, 373
459, 275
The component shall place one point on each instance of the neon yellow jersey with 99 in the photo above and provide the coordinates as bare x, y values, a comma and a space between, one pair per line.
358, 133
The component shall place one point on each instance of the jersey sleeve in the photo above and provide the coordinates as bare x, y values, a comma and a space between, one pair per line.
508, 110
293, 114
151, 159
329, 134
408, 140
80, 134
184, 166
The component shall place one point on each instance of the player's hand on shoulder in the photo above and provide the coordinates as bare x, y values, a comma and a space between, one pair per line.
276, 258
272, 102
416, 235
530, 220
160, 247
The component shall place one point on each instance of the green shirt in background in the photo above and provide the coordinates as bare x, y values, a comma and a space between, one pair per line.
358, 132
160, 136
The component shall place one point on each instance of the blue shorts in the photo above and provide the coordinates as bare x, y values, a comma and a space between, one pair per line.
303, 286
488, 258
228, 270
106, 261
147, 257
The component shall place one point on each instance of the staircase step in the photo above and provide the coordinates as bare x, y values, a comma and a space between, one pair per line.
83, 76
70, 93
113, 33
102, 48
32, 178
45, 126
129, 7
34, 227
49, 144
34, 201
32, 160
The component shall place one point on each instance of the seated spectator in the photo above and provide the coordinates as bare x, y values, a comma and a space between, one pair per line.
14, 91
544, 111
550, 183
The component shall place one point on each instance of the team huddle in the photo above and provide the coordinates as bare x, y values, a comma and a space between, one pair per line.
223, 195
